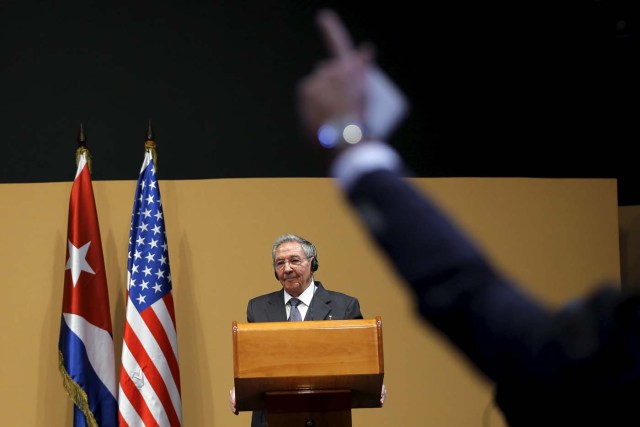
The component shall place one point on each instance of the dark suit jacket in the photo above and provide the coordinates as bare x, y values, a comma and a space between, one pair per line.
325, 303
577, 366
271, 307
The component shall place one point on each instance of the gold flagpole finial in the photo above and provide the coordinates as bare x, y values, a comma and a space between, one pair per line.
82, 148
150, 144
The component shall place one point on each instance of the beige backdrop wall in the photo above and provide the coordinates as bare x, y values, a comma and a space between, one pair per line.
629, 217
558, 237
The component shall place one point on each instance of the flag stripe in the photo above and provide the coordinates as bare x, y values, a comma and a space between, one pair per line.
141, 397
127, 415
138, 360
99, 348
101, 402
162, 327
156, 369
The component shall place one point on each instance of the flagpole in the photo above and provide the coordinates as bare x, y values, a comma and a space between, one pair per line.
150, 144
82, 148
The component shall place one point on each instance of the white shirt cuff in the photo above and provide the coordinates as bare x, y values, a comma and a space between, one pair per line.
363, 158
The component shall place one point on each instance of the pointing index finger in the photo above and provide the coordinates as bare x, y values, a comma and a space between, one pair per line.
335, 34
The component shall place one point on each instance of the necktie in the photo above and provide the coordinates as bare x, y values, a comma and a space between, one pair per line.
294, 316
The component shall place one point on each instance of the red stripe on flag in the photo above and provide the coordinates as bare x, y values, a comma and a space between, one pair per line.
121, 421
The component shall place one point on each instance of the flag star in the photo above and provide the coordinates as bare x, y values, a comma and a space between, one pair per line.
158, 216
77, 261
153, 170
137, 254
156, 229
157, 287
169, 277
160, 274
141, 299
140, 240
147, 271
143, 226
132, 283
153, 243
134, 268
152, 184
147, 213
163, 260
150, 257
164, 246
150, 199
144, 285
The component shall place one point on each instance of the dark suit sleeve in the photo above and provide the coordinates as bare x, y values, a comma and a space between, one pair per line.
503, 331
250, 317
353, 310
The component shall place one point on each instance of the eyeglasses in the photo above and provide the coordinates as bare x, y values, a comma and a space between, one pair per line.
293, 262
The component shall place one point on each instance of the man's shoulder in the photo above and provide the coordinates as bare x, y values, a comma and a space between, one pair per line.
268, 296
335, 294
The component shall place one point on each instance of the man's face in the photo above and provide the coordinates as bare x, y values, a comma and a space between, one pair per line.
292, 268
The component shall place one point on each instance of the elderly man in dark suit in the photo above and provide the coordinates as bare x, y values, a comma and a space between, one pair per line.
301, 298
294, 262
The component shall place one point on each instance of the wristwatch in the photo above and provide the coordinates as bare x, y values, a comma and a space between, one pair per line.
340, 132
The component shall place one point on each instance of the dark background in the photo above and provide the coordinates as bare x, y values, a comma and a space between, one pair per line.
506, 89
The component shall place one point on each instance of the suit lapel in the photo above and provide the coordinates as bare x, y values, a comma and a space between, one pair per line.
276, 311
320, 304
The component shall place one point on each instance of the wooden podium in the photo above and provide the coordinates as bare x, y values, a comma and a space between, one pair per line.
308, 373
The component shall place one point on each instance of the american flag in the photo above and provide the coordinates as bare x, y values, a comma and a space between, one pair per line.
149, 392
85, 345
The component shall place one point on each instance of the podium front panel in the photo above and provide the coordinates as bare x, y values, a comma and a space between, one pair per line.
308, 356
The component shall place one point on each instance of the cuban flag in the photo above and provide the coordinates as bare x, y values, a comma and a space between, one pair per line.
149, 393
85, 346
